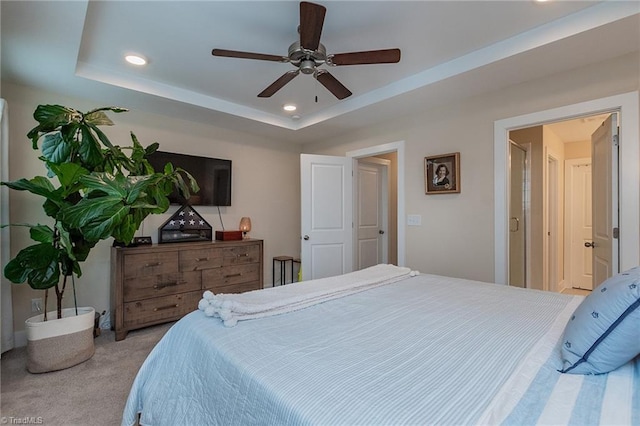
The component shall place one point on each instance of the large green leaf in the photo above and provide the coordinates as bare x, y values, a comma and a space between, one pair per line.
115, 186
56, 115
89, 210
37, 264
138, 186
39, 185
55, 149
127, 228
115, 109
69, 175
97, 118
103, 138
41, 233
102, 226
90, 151
64, 240
50, 118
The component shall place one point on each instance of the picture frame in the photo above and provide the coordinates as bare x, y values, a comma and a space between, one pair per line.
442, 174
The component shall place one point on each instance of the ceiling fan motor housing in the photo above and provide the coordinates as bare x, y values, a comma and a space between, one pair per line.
305, 59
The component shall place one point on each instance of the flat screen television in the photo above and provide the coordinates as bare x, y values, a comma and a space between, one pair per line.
212, 174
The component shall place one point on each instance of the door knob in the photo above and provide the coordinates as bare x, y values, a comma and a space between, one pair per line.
381, 232
306, 237
590, 244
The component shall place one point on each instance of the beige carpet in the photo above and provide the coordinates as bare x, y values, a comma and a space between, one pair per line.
91, 393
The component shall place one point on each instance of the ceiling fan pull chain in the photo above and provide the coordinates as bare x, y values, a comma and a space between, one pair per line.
315, 77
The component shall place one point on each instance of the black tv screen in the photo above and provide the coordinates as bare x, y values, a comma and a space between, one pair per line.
212, 174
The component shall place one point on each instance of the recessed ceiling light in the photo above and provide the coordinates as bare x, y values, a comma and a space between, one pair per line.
290, 107
135, 59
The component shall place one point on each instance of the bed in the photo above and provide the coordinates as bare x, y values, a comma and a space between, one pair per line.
414, 349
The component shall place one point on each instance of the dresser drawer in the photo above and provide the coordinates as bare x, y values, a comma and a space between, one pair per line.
160, 285
217, 279
218, 288
149, 264
158, 309
201, 259
249, 253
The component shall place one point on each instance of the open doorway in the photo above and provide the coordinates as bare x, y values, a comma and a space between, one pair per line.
551, 196
375, 191
628, 105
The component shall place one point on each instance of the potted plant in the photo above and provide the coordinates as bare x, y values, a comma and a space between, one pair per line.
102, 192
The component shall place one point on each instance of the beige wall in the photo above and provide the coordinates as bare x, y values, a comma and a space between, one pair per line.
581, 149
265, 177
457, 233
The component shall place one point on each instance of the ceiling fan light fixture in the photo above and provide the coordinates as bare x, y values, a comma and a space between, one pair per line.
135, 59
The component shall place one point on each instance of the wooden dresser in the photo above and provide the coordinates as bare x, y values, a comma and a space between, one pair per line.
162, 282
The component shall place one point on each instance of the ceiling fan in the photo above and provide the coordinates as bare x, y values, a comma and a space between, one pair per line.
308, 54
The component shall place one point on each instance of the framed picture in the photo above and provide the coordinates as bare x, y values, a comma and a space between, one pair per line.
442, 174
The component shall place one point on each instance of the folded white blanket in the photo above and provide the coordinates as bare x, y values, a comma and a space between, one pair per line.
232, 308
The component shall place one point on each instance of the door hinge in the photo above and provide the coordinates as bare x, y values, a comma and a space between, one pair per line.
616, 233
615, 140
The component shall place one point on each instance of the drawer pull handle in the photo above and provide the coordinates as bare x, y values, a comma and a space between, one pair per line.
233, 275
202, 259
168, 284
149, 265
243, 255
162, 308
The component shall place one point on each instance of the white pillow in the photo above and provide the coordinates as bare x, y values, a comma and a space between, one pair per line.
604, 331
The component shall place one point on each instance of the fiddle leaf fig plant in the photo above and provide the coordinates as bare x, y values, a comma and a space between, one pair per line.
100, 190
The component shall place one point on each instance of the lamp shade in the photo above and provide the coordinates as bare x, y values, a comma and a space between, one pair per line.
245, 224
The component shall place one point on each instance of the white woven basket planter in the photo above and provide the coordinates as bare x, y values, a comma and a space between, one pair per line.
59, 343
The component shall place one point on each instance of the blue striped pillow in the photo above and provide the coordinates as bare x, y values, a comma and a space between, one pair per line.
604, 331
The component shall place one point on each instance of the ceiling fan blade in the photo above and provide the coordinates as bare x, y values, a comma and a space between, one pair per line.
386, 56
333, 85
248, 55
311, 21
278, 84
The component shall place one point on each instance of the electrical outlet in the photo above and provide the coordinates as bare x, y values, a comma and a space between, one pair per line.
36, 305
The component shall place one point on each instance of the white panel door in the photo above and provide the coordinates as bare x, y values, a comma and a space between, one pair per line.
578, 196
371, 217
604, 157
327, 216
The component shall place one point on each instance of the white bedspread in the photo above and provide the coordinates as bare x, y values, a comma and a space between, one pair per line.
231, 308
424, 350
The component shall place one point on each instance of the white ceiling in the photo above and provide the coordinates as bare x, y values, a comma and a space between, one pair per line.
449, 50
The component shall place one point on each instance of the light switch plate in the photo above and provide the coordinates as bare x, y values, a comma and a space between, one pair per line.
414, 220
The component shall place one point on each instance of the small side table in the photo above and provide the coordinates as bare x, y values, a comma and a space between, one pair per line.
283, 268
